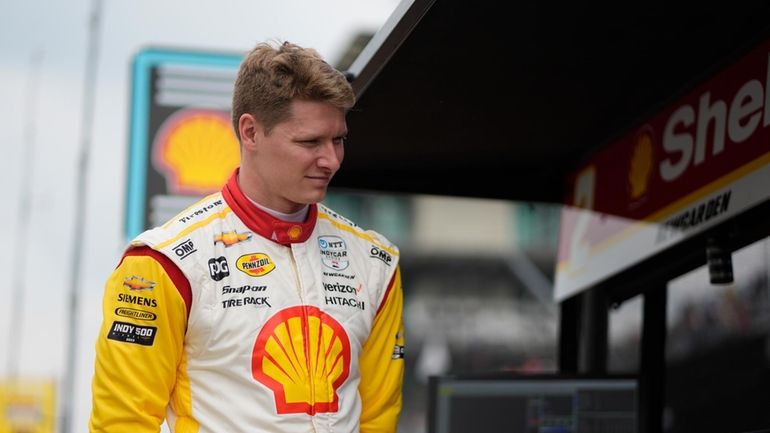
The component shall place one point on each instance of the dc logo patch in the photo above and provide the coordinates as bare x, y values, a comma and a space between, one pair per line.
334, 252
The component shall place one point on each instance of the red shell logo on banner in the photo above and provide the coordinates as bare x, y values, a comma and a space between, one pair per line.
196, 150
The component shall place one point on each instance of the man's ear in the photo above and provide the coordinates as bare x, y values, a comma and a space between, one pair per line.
250, 129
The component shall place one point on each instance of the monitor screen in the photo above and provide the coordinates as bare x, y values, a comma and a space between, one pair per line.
533, 404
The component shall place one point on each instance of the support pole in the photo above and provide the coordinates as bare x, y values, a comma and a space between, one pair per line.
89, 92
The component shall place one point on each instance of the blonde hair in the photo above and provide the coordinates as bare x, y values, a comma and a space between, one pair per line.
272, 75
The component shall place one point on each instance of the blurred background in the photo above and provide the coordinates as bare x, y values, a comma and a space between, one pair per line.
478, 274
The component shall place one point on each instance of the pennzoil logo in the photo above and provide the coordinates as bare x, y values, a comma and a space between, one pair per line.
229, 239
136, 283
303, 355
135, 314
255, 264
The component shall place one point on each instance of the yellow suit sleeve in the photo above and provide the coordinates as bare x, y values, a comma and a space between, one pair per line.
382, 365
139, 347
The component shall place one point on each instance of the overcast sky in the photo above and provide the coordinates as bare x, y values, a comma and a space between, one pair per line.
40, 139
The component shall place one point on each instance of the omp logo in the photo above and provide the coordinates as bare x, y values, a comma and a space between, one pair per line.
381, 254
184, 248
229, 239
255, 264
303, 355
136, 282
218, 268
135, 314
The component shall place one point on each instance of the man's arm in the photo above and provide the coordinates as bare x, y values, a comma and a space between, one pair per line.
140, 345
382, 364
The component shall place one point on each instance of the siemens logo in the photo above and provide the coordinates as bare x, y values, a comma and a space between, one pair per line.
137, 300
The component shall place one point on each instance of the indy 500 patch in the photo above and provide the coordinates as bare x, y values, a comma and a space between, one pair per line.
130, 333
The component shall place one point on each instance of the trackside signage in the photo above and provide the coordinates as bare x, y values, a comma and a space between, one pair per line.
699, 161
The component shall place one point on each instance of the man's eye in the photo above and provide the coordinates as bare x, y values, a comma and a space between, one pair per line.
340, 140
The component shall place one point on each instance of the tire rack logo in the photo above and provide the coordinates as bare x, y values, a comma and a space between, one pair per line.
229, 239
218, 268
137, 283
255, 264
303, 355
184, 248
334, 252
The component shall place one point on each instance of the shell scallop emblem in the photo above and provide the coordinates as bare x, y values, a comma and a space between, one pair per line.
640, 165
196, 151
303, 355
294, 232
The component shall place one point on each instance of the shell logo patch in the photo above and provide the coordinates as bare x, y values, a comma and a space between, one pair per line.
136, 282
640, 165
196, 150
231, 238
255, 264
294, 232
303, 355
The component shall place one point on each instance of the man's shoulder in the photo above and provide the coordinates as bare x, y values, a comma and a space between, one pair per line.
325, 212
344, 224
207, 208
195, 216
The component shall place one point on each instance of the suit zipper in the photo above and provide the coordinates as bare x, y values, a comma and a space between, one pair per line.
305, 335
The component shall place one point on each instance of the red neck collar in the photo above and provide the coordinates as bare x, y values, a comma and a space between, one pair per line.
261, 222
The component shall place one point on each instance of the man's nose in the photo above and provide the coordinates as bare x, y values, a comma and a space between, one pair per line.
330, 156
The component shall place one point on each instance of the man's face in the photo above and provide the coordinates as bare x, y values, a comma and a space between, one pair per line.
293, 164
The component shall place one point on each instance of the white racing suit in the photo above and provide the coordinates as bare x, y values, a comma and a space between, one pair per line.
228, 320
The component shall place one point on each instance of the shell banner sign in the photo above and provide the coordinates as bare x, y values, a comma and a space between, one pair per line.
698, 162
27, 405
182, 145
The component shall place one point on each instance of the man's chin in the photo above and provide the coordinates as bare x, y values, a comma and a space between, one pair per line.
314, 198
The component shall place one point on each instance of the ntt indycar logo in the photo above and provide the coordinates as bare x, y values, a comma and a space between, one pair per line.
334, 252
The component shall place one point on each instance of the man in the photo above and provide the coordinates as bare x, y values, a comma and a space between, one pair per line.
258, 309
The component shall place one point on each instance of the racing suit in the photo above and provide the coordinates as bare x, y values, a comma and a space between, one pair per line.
227, 319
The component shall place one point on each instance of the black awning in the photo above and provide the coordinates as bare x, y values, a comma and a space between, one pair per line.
502, 100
